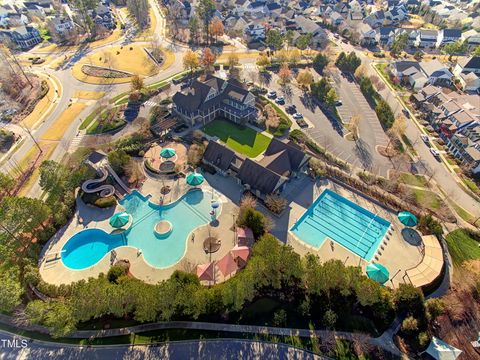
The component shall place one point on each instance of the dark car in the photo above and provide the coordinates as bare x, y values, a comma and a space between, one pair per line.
291, 109
406, 113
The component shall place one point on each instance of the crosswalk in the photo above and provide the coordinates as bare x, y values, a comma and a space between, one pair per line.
76, 142
150, 103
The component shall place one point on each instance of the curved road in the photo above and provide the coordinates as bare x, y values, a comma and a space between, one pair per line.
15, 347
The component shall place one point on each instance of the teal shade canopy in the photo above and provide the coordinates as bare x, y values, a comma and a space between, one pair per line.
119, 219
167, 153
407, 218
195, 179
378, 272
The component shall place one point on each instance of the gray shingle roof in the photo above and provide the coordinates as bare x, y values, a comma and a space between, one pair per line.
258, 177
218, 155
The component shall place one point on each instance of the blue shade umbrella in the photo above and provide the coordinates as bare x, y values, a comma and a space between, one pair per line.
167, 153
407, 218
378, 272
215, 205
119, 219
195, 179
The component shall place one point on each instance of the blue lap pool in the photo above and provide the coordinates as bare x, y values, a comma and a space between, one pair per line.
89, 246
337, 218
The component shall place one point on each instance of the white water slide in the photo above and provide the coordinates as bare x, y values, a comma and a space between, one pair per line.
90, 186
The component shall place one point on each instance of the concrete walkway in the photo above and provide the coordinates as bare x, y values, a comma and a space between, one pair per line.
385, 341
191, 349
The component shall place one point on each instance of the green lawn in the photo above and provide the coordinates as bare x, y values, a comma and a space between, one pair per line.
471, 185
88, 120
414, 180
464, 214
463, 246
241, 139
382, 68
428, 199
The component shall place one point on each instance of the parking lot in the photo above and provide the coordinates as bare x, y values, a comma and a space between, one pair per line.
328, 133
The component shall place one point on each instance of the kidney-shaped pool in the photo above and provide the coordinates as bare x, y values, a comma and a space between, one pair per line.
89, 246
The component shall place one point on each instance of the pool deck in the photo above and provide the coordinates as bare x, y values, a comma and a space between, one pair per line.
395, 253
53, 271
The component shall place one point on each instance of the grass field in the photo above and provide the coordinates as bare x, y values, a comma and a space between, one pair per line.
464, 214
58, 128
243, 140
47, 149
42, 107
89, 95
414, 180
463, 246
88, 120
428, 199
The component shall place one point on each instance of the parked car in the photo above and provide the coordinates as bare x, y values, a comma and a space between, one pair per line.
297, 116
406, 113
338, 103
425, 138
280, 100
272, 94
435, 153
292, 109
302, 123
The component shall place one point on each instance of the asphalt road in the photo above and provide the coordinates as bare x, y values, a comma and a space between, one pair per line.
14, 347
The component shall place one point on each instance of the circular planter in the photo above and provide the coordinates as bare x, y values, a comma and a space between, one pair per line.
163, 228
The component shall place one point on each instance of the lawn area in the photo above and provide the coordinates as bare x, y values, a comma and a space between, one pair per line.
58, 128
43, 106
471, 185
463, 245
108, 120
241, 139
88, 120
285, 122
414, 180
88, 95
428, 199
130, 58
464, 214
47, 149
382, 68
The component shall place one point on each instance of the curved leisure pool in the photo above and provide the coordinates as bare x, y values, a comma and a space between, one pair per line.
89, 246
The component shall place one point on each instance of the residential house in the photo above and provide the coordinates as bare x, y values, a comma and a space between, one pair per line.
436, 72
385, 36
24, 37
37, 8
472, 37
205, 100
255, 31
241, 7
470, 82
308, 26
62, 24
427, 39
375, 19
467, 65
412, 35
102, 15
336, 19
367, 34
466, 150
256, 9
448, 36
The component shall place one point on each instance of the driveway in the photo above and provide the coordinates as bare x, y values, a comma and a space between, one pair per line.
206, 349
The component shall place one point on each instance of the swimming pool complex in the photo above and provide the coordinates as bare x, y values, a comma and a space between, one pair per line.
339, 219
89, 246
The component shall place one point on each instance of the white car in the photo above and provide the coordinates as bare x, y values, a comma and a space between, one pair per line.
272, 94
425, 138
297, 116
435, 153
